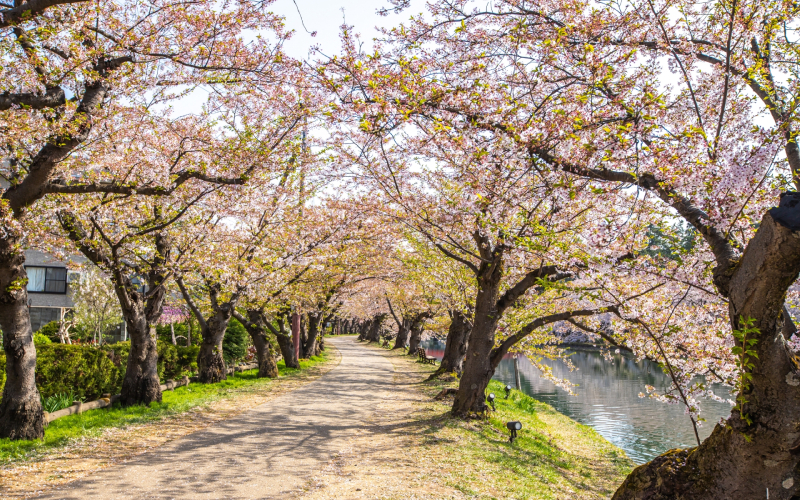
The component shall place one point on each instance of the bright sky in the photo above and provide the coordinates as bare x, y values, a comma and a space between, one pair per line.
326, 17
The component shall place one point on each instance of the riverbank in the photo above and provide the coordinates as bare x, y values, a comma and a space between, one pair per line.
554, 457
78, 445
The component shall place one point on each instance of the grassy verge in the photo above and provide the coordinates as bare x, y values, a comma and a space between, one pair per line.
553, 457
182, 399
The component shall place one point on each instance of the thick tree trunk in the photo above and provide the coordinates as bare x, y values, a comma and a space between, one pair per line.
455, 346
267, 366
417, 327
286, 345
21, 414
256, 326
757, 449
374, 332
363, 329
478, 369
402, 335
287, 351
310, 344
413, 341
141, 385
210, 363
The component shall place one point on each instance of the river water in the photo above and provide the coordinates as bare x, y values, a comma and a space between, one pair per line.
608, 400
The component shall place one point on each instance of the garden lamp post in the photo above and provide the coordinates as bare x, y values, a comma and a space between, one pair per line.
490, 399
513, 426
508, 391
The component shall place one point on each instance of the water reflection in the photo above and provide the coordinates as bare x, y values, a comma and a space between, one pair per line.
608, 400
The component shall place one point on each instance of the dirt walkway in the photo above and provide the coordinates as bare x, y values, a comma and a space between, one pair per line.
332, 438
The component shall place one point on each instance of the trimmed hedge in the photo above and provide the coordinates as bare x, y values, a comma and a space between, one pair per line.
89, 372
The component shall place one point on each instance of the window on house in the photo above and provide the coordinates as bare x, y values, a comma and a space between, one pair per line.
47, 279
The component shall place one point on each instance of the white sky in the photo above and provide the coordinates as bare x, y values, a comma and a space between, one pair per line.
326, 17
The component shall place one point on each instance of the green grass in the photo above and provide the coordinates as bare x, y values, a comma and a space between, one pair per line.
553, 457
62, 431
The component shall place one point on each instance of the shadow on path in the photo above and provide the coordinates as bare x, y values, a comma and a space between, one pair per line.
267, 452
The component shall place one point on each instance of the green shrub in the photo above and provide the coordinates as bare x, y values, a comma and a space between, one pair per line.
234, 344
187, 357
88, 372
84, 370
164, 334
173, 361
50, 330
41, 339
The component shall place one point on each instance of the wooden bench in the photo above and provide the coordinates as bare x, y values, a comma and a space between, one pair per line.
423, 358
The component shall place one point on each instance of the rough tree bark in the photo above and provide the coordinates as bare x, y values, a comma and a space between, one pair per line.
285, 342
455, 345
309, 347
759, 448
255, 323
21, 414
481, 361
403, 326
210, 362
478, 369
416, 329
363, 328
374, 332
141, 384
402, 334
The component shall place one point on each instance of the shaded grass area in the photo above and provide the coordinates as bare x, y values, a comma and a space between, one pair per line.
553, 457
195, 395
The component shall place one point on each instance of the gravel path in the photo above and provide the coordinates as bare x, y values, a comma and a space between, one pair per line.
271, 451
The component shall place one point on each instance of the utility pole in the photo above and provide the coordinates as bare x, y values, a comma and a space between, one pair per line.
296, 334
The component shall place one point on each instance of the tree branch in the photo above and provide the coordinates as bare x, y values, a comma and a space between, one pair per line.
514, 293
52, 98
29, 10
190, 302
500, 351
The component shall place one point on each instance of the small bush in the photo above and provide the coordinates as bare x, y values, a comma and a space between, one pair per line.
59, 401
234, 344
41, 339
50, 330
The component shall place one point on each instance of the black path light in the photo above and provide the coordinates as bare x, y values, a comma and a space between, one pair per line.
490, 399
513, 426
508, 391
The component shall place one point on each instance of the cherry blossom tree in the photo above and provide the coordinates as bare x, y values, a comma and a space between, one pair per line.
71, 68
670, 110
96, 307
471, 196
